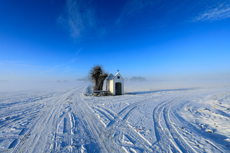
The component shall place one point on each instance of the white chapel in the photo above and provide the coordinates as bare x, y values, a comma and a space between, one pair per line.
115, 84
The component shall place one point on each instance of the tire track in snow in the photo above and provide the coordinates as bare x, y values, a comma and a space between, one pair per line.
38, 138
25, 135
180, 141
117, 124
84, 132
91, 125
103, 112
72, 123
39, 134
163, 143
113, 114
64, 123
28, 110
21, 118
126, 112
169, 138
16, 115
30, 101
196, 131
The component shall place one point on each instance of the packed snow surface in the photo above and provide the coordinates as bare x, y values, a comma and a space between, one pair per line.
149, 117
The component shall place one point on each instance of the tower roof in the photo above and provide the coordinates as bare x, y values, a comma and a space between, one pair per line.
110, 77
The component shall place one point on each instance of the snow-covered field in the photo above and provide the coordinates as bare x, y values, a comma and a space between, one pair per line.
149, 117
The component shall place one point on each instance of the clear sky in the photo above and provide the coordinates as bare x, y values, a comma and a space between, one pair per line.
156, 39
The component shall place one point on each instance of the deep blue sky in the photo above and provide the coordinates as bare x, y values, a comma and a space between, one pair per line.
63, 39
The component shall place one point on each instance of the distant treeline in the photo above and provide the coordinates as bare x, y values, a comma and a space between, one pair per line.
83, 79
135, 78
66, 81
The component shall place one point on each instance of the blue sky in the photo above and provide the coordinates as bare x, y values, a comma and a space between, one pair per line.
63, 39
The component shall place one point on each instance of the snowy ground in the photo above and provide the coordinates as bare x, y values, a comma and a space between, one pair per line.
150, 117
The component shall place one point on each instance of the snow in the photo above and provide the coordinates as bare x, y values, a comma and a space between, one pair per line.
150, 117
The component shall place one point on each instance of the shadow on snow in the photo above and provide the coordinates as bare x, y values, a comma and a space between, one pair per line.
156, 91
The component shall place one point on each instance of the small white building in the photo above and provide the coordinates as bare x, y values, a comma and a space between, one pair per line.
115, 84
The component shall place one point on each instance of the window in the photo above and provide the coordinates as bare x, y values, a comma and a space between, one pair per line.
118, 77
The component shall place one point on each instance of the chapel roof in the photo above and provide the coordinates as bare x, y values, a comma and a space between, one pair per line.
110, 77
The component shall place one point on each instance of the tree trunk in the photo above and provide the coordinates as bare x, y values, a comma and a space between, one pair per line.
97, 82
101, 81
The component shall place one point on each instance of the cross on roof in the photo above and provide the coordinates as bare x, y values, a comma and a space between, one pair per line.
117, 70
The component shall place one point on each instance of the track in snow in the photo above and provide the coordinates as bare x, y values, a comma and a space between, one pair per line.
123, 133
168, 138
65, 122
65, 126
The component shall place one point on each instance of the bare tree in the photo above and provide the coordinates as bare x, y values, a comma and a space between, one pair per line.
97, 76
